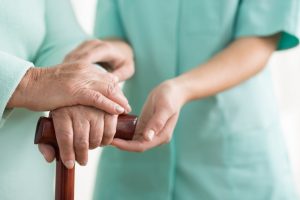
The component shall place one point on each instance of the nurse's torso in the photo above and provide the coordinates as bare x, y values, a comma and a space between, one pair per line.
227, 146
23, 172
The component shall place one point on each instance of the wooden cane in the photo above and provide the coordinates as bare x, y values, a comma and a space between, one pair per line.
45, 134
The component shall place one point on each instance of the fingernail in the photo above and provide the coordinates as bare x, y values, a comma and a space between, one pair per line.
120, 109
69, 164
84, 163
129, 108
150, 135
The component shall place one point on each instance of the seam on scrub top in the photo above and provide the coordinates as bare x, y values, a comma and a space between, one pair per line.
177, 71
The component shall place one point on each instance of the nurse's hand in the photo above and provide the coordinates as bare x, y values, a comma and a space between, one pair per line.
69, 84
117, 54
78, 129
158, 119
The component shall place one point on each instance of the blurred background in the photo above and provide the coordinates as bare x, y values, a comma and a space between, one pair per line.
286, 73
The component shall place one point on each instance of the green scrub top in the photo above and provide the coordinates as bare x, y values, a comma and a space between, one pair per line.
32, 33
225, 147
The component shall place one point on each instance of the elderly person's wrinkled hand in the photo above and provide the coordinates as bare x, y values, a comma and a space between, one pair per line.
78, 83
78, 129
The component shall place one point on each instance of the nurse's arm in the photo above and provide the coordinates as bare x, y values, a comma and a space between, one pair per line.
241, 60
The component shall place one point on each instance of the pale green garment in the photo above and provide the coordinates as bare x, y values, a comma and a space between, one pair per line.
225, 147
32, 33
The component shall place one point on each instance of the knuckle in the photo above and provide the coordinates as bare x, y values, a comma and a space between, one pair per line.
109, 134
81, 144
111, 89
111, 78
80, 64
97, 98
65, 136
83, 56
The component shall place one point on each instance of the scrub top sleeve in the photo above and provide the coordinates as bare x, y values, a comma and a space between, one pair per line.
268, 17
63, 33
12, 70
108, 23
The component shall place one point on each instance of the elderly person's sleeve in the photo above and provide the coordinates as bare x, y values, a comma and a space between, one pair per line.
12, 70
268, 17
108, 22
63, 33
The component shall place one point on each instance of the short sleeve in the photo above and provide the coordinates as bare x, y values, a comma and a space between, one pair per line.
268, 17
108, 22
63, 33
12, 70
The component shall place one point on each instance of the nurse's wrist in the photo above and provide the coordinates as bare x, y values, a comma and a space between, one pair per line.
184, 85
179, 86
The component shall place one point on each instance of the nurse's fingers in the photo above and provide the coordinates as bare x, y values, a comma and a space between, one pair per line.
104, 53
81, 130
167, 133
141, 145
88, 45
124, 72
47, 151
64, 135
156, 123
132, 145
82, 51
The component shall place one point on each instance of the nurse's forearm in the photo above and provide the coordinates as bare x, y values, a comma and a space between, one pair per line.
241, 60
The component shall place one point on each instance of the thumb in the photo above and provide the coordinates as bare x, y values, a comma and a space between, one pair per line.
47, 151
156, 123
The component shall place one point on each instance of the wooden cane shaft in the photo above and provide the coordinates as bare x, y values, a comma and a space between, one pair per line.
65, 181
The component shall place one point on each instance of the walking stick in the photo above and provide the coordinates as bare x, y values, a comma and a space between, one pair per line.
45, 134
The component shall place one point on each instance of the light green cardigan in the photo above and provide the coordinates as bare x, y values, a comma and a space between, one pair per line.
32, 33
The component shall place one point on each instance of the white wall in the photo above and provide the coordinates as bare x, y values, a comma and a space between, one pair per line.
286, 68
286, 74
